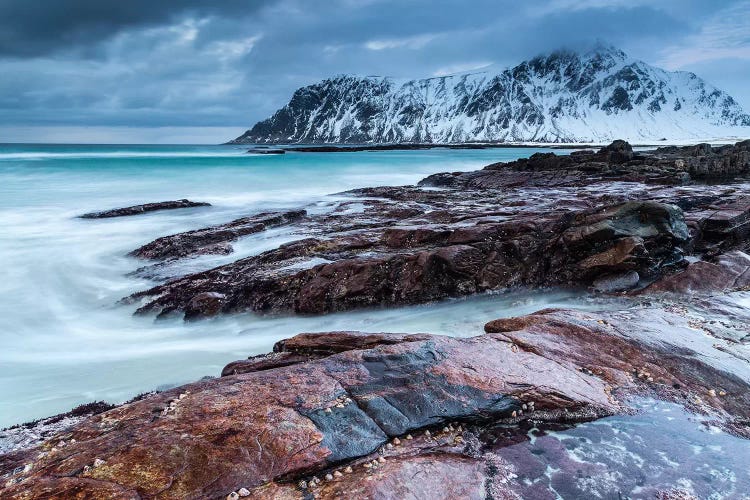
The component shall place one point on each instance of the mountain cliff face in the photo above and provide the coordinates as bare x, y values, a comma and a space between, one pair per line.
565, 96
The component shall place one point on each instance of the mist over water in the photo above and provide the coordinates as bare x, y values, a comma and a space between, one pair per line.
63, 339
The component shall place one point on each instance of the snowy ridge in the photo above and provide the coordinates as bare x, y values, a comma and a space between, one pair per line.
563, 97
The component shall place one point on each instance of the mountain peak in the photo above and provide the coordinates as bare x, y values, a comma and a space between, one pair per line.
593, 95
604, 49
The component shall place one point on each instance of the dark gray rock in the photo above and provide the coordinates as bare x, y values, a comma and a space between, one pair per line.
145, 208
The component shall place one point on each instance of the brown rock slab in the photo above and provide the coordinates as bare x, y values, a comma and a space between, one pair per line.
729, 271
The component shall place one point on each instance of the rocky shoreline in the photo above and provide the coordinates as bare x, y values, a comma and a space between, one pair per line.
402, 146
388, 415
614, 220
354, 414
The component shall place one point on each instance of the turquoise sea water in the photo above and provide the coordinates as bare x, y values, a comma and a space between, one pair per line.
64, 341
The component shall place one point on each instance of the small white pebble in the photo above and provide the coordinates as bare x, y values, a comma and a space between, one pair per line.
514, 413
329, 477
337, 474
243, 492
348, 469
396, 441
524, 406
328, 410
340, 405
99, 462
233, 496
722, 393
408, 436
389, 446
28, 468
712, 393
427, 433
302, 484
381, 460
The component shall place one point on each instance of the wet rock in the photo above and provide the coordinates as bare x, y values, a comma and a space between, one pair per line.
542, 221
264, 362
431, 265
729, 271
212, 240
196, 450
142, 209
203, 305
617, 282
616, 162
32, 433
618, 152
332, 342
278, 431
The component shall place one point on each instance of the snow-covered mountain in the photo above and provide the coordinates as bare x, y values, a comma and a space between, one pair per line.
565, 96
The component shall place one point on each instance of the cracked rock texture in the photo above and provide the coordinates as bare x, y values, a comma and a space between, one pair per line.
279, 428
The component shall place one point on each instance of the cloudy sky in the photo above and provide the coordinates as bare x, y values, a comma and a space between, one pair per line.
203, 71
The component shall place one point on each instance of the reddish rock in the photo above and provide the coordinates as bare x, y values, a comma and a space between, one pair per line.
353, 400
593, 218
212, 240
206, 439
573, 248
730, 271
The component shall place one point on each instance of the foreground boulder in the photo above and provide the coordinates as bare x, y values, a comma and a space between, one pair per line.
374, 415
145, 208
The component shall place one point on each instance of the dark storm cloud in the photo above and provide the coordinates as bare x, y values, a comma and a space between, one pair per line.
208, 63
30, 28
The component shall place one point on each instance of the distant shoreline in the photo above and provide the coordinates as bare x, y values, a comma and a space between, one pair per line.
344, 148
329, 148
